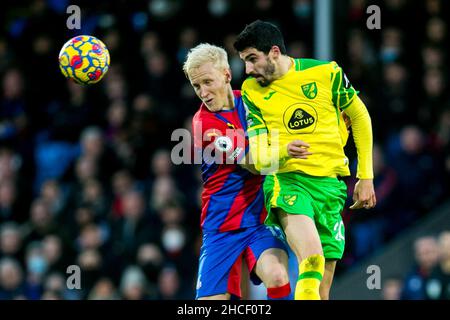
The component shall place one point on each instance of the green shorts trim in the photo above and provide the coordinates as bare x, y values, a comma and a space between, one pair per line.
320, 198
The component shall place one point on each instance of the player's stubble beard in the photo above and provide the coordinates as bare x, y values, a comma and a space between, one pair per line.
267, 74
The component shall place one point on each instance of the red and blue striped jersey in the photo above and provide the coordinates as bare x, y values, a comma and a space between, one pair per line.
232, 197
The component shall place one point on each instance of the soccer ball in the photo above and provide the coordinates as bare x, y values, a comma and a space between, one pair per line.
84, 59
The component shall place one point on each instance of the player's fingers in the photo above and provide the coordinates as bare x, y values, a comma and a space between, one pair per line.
368, 204
295, 149
300, 154
371, 202
357, 205
300, 157
300, 143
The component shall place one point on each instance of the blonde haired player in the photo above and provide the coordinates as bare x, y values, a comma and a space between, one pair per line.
233, 208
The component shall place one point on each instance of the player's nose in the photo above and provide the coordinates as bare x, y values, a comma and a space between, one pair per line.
203, 93
249, 67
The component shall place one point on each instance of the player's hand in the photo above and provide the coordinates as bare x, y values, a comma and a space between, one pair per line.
364, 195
298, 149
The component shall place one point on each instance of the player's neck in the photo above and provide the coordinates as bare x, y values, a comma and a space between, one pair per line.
284, 65
230, 100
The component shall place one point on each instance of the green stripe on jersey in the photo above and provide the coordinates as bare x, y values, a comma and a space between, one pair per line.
310, 63
335, 88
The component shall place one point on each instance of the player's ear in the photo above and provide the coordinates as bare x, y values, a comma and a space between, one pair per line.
275, 52
228, 76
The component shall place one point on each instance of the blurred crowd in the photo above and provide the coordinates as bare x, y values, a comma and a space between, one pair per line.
429, 276
86, 176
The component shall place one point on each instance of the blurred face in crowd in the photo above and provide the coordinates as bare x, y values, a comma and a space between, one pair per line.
133, 284
7, 194
392, 289
40, 214
412, 140
92, 144
212, 86
52, 248
103, 290
12, 84
54, 282
169, 282
259, 65
92, 190
426, 252
50, 190
10, 275
10, 240
433, 83
133, 205
86, 168
122, 182
9, 163
90, 237
161, 163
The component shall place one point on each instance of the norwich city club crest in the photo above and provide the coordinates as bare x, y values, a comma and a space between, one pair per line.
310, 90
290, 200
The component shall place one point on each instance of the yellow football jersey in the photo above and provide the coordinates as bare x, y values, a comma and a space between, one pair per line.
304, 104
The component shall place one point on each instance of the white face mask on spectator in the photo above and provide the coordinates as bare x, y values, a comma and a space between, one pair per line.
173, 240
37, 264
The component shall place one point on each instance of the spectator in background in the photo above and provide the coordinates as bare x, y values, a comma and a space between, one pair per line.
11, 241
426, 256
52, 194
41, 222
11, 279
8, 204
437, 285
104, 289
391, 288
169, 285
55, 287
150, 259
418, 175
122, 182
92, 266
36, 267
134, 228
13, 116
133, 285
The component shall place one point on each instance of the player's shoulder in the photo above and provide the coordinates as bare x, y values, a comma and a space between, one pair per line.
249, 84
303, 64
198, 115
205, 120
202, 116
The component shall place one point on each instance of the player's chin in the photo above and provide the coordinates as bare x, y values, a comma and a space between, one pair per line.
263, 82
